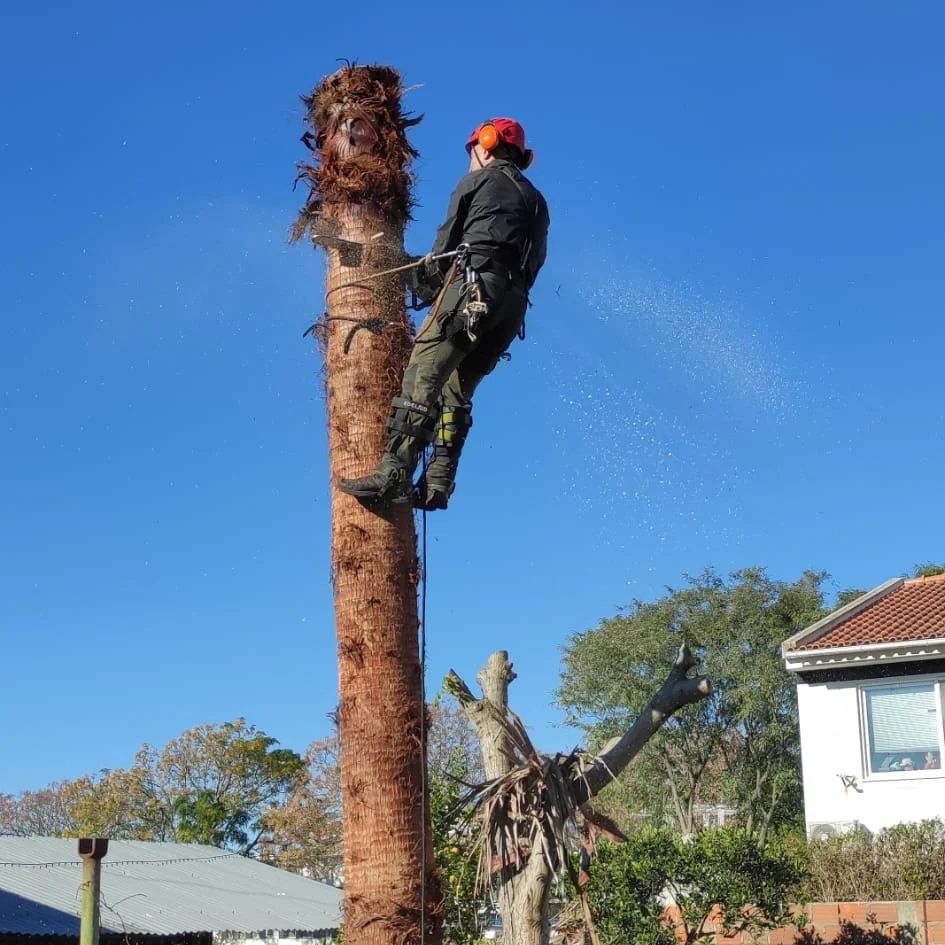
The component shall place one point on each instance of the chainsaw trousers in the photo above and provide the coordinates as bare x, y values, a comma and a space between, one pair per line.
446, 366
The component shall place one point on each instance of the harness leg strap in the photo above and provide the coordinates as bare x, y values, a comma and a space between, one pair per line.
409, 418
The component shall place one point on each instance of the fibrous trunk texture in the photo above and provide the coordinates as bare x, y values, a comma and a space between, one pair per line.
361, 194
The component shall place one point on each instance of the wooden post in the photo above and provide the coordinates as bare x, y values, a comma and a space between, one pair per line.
91, 850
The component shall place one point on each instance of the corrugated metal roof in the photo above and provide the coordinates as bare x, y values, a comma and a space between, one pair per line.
159, 888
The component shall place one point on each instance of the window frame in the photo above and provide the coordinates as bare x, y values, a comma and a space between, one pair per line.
938, 692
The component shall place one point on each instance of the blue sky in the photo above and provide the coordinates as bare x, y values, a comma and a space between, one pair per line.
734, 355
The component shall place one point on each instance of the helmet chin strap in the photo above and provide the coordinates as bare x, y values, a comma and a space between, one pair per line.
476, 156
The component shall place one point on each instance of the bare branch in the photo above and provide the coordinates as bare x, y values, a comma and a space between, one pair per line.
677, 691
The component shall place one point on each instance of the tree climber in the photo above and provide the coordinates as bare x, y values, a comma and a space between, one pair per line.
503, 220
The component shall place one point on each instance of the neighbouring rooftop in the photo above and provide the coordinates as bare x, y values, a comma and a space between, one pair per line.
158, 888
899, 611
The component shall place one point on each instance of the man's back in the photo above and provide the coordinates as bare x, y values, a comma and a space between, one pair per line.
502, 216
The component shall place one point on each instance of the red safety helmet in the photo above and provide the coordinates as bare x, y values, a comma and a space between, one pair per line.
490, 134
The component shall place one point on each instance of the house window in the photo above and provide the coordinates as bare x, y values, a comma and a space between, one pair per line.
904, 728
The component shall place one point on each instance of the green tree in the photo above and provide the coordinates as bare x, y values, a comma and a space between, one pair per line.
928, 569
847, 596
739, 747
717, 877
464, 913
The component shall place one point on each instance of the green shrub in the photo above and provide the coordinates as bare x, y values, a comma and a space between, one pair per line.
631, 883
464, 914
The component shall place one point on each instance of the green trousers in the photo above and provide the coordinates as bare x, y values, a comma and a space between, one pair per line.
446, 366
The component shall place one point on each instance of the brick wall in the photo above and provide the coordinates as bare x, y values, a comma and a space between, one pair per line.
927, 917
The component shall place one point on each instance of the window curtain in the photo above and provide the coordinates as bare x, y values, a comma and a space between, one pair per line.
903, 718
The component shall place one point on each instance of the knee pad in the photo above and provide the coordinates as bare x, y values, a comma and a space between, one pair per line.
452, 428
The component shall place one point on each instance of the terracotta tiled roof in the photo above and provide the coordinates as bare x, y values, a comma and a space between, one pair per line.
915, 610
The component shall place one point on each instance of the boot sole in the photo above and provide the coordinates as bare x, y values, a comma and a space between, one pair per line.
374, 499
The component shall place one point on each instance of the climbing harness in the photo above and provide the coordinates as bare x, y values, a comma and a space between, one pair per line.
474, 306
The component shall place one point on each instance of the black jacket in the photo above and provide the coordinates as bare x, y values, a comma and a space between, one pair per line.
502, 216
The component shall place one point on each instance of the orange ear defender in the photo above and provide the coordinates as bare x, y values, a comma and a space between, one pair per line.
488, 136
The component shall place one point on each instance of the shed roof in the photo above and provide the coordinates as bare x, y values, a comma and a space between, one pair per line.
158, 888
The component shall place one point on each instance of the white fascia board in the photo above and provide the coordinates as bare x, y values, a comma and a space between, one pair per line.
844, 613
899, 652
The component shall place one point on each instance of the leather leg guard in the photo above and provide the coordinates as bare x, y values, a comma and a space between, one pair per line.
437, 485
410, 428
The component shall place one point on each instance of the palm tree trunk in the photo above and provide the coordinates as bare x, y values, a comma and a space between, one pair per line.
360, 193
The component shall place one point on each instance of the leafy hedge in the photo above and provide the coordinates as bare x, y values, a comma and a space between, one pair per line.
902, 862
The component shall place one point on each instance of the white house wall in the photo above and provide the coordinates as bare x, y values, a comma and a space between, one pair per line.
831, 748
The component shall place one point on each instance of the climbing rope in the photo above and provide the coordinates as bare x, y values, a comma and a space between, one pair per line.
430, 320
374, 324
371, 276
423, 720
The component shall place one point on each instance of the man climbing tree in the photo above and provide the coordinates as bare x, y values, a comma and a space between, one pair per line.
485, 259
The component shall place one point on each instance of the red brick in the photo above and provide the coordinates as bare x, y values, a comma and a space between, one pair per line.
883, 911
853, 911
936, 933
935, 910
783, 936
822, 913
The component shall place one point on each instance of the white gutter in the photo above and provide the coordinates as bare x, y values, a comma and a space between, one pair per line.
899, 651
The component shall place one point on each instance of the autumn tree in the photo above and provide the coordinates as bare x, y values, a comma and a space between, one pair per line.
212, 784
740, 747
304, 834
46, 812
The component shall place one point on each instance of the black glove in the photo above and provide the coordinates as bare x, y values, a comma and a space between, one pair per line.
425, 279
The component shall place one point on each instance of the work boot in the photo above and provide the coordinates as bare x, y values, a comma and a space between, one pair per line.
390, 482
429, 499
410, 428
437, 483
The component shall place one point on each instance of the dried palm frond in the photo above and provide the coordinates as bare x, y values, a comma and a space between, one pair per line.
531, 808
379, 176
